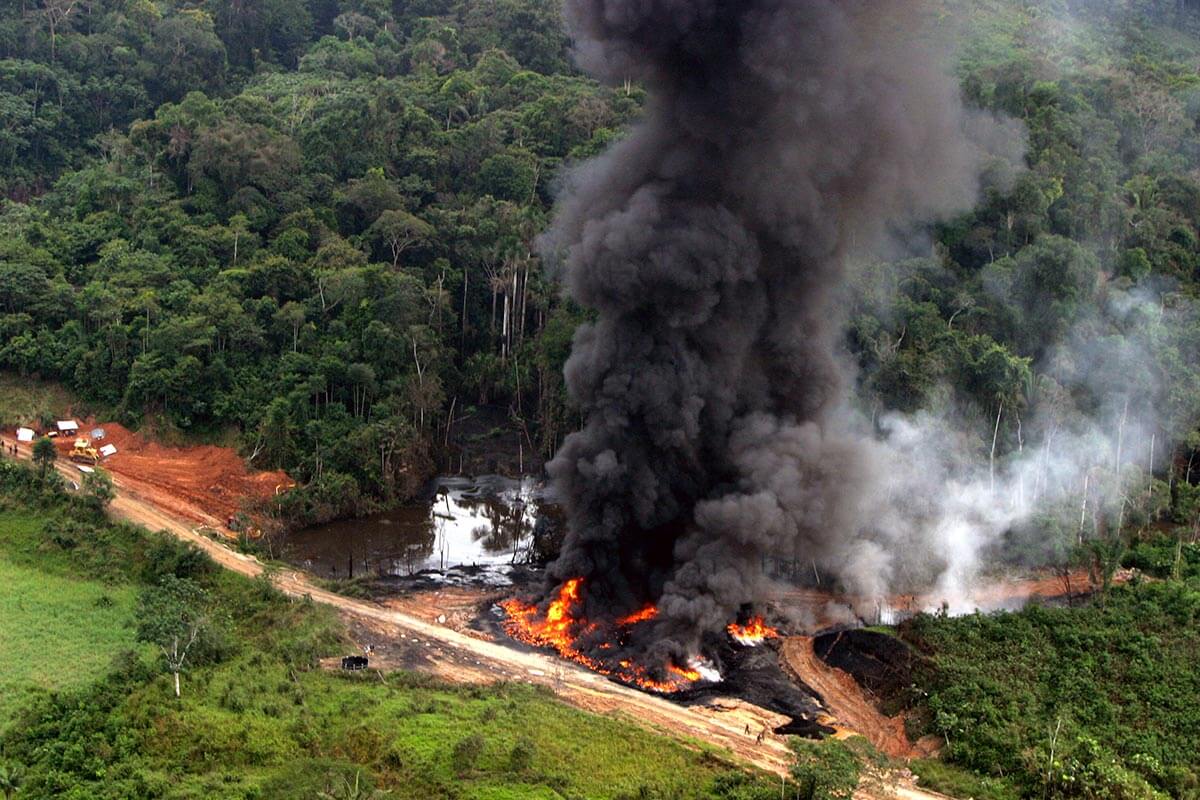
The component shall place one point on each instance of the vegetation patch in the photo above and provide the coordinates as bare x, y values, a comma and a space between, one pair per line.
55, 632
28, 401
1093, 701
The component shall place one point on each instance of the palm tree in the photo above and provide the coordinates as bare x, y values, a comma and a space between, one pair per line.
344, 790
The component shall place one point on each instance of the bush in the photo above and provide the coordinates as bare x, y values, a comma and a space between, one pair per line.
1115, 679
738, 785
169, 556
827, 770
98, 489
520, 759
958, 782
467, 752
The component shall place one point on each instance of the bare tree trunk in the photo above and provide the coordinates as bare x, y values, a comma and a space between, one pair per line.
420, 383
1121, 436
524, 305
510, 319
462, 345
1150, 469
1053, 746
995, 436
504, 331
517, 382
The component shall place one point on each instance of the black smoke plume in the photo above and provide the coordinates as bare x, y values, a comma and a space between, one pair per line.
781, 138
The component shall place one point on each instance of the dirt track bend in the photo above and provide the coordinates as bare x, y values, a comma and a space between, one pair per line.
722, 725
846, 702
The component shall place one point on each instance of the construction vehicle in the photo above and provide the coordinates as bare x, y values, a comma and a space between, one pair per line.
243, 526
84, 453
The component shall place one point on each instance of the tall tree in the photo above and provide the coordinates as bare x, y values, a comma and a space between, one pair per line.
173, 617
44, 455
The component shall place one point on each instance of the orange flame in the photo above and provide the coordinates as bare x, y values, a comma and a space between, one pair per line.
752, 633
687, 674
561, 628
647, 613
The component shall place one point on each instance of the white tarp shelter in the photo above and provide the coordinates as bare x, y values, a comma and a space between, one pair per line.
97, 433
67, 426
108, 450
85, 469
24, 434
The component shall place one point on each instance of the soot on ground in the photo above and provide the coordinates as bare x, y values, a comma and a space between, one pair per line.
755, 675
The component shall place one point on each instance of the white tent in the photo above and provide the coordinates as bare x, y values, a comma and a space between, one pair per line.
24, 434
67, 426
108, 450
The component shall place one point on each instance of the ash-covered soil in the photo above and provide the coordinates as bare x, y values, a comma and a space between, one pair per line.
756, 675
881, 663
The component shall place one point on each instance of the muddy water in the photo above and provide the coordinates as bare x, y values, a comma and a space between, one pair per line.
486, 521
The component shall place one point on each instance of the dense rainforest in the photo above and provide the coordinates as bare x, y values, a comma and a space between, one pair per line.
313, 224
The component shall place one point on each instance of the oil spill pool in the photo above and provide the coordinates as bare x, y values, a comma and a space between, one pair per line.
486, 521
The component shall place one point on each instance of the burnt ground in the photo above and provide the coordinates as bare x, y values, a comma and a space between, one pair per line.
466, 600
880, 663
842, 680
756, 675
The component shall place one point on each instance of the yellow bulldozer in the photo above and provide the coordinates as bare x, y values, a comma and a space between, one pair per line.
84, 453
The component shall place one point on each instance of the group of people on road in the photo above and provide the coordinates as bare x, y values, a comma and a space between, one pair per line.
761, 734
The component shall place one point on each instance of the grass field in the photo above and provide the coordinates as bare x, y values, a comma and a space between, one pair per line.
56, 632
414, 736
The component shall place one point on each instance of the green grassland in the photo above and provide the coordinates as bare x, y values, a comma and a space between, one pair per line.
56, 632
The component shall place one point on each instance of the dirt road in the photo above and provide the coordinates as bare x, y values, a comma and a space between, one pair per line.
851, 710
460, 656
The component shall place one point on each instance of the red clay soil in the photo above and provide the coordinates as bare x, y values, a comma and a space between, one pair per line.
851, 710
817, 609
206, 483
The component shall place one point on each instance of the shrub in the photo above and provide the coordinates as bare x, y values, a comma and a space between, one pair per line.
520, 759
467, 752
827, 770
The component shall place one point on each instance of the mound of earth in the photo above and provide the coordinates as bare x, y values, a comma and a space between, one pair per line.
850, 708
880, 663
206, 482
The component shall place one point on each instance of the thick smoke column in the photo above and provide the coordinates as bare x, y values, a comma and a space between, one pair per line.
781, 137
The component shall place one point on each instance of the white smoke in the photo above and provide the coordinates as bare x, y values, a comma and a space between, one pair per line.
943, 508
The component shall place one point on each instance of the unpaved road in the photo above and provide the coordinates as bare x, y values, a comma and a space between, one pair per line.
851, 710
458, 656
